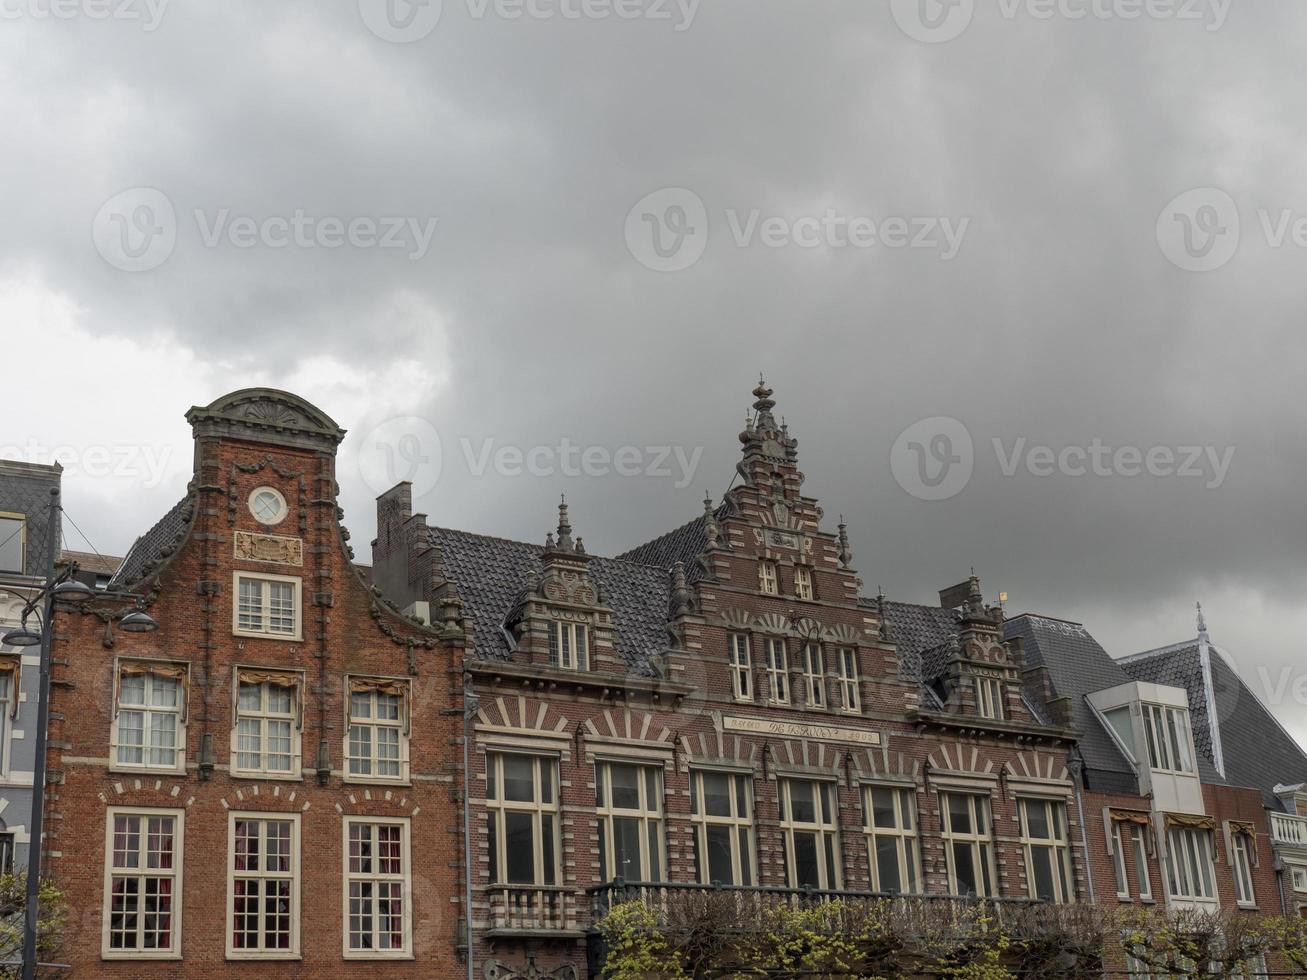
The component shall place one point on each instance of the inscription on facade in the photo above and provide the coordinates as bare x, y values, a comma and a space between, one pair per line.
796, 729
269, 548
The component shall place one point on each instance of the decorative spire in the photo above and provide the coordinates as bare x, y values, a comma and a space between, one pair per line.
762, 436
680, 591
880, 613
1202, 622
564, 527
710, 522
846, 553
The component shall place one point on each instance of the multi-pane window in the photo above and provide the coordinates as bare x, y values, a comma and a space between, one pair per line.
809, 823
267, 606
1241, 863
741, 667
629, 805
1139, 851
1167, 733
802, 582
266, 721
1189, 864
847, 660
263, 885
814, 675
6, 854
768, 581
377, 888
1299, 879
377, 740
989, 698
1117, 844
968, 846
522, 805
13, 542
1047, 847
721, 811
568, 645
148, 730
889, 822
142, 884
778, 671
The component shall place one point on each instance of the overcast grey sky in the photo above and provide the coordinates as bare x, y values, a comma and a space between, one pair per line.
1068, 225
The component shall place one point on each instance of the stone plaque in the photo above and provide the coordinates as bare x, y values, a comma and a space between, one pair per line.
271, 548
797, 729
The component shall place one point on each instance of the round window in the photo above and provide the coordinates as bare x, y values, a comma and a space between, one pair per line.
267, 505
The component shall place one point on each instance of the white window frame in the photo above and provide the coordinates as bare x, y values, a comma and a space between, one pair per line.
22, 542
1241, 869
1298, 878
11, 680
282, 508
989, 698
8, 851
1133, 837
1057, 844
1139, 848
814, 680
1189, 861
739, 826
374, 724
266, 633
148, 712
778, 670
173, 952
497, 808
741, 666
824, 827
981, 844
802, 582
846, 659
569, 644
375, 877
903, 834
264, 817
768, 577
263, 717
1168, 738
648, 816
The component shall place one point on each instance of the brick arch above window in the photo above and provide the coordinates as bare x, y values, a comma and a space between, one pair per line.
961, 758
718, 748
881, 763
638, 726
521, 714
1037, 765
801, 755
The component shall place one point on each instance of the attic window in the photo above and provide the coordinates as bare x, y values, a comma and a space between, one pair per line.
989, 698
569, 645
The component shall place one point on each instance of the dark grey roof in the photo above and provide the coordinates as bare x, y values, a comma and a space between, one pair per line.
156, 544
490, 574
1256, 750
918, 630
25, 489
1077, 665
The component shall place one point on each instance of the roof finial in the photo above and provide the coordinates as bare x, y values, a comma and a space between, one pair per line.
845, 552
564, 526
1202, 622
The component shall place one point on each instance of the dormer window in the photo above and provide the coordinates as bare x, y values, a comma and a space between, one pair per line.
1170, 745
768, 581
569, 645
802, 582
989, 698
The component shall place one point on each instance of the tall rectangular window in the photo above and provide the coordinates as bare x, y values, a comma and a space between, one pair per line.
809, 821
568, 645
778, 671
722, 813
968, 846
9, 668
378, 886
768, 580
142, 884
148, 731
1190, 874
741, 667
267, 605
989, 698
1046, 843
802, 582
1170, 745
1118, 861
629, 805
377, 742
814, 675
850, 698
267, 709
1139, 850
263, 885
6, 854
889, 822
1241, 864
522, 819
13, 543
